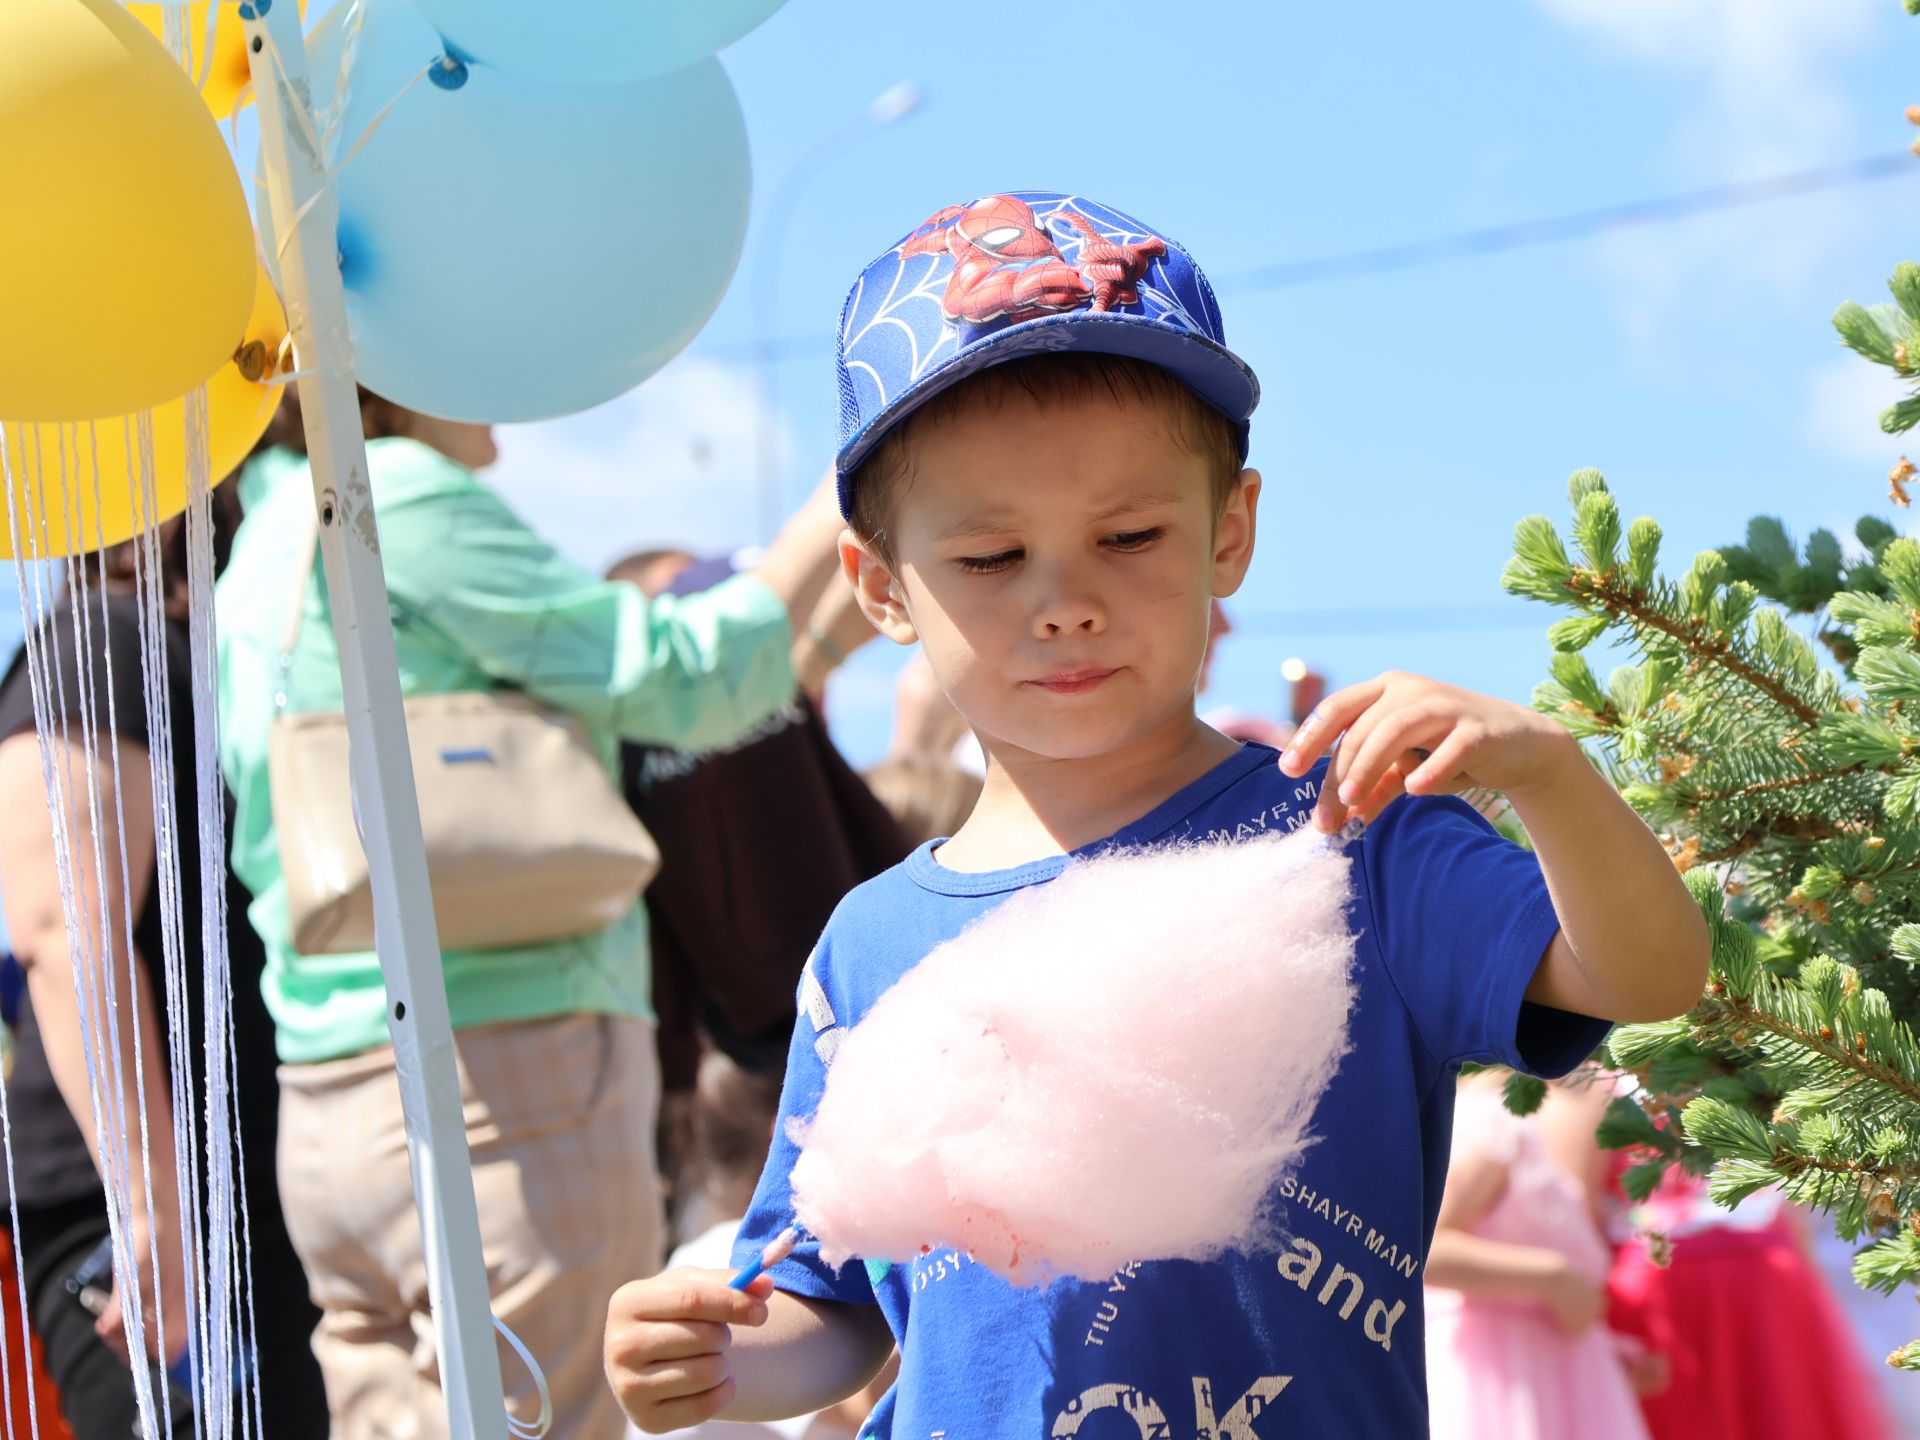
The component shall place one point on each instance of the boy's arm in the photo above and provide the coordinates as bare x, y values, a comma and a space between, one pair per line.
683, 1347
810, 1354
1632, 944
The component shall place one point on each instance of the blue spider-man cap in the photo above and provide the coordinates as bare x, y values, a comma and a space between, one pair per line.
1013, 275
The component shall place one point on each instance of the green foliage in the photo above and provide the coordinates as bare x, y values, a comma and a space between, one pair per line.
1523, 1094
1889, 335
1783, 775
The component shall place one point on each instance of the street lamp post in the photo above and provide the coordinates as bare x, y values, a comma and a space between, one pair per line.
890, 105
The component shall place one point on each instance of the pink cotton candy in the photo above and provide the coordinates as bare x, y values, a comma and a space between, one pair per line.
1115, 1066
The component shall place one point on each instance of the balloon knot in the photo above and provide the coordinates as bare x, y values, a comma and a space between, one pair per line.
449, 72
252, 359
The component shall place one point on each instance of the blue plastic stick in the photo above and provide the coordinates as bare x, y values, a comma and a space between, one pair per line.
779, 1249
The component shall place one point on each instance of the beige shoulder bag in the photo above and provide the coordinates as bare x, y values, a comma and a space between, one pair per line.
528, 839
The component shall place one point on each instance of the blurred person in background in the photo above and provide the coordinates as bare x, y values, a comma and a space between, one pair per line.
1516, 1292
759, 840
1754, 1343
558, 1073
60, 1204
929, 795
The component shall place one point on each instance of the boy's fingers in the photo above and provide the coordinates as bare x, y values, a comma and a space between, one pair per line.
694, 1375
673, 1340
1392, 785
686, 1410
1365, 758
1440, 769
692, 1295
1329, 718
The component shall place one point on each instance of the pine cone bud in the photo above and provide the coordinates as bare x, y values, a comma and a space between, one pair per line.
1863, 894
1826, 1032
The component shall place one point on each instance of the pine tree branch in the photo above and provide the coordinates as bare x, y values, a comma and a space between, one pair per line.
1745, 1012
1762, 787
1786, 827
1794, 1165
1620, 599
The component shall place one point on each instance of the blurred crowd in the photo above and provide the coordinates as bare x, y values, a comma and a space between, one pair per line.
620, 1087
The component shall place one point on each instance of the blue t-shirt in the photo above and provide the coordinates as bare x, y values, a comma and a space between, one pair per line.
1324, 1338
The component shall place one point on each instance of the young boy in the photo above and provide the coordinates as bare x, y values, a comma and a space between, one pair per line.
1042, 476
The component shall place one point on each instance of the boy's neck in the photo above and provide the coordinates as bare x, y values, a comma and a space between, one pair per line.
1033, 806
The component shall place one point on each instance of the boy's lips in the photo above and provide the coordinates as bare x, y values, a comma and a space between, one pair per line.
1074, 682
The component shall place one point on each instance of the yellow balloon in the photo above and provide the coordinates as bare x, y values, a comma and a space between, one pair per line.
219, 69
51, 468
126, 251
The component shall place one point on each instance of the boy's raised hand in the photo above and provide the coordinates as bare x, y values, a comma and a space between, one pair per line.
668, 1345
1405, 733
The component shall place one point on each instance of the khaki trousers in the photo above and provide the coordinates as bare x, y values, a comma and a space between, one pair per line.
560, 1121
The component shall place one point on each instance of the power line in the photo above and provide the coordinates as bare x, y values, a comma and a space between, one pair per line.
1410, 619
1522, 234
1494, 239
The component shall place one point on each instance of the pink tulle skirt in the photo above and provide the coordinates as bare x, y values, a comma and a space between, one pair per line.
1499, 1370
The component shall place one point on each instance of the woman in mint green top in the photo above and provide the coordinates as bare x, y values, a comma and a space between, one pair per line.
479, 601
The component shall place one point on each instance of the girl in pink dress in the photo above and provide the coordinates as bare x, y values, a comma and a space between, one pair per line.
1516, 1291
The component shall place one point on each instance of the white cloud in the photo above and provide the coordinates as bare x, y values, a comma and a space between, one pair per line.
1844, 398
1762, 92
674, 462
1770, 88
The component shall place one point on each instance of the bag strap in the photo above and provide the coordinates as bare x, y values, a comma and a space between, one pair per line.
296, 610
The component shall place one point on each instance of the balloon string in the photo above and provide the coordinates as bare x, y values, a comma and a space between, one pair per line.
528, 1429
207, 47
343, 76
380, 118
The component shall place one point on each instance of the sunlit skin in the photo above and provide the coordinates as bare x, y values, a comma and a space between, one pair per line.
1058, 564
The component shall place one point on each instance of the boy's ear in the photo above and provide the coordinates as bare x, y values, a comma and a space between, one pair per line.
1233, 537
875, 589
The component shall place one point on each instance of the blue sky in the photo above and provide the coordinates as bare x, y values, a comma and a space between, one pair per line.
1409, 419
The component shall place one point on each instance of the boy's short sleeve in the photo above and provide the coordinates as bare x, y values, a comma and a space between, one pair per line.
1461, 919
815, 1035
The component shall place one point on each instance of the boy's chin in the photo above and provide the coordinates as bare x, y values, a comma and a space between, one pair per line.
1087, 738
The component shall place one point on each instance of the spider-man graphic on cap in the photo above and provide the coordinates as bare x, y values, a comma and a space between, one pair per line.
1007, 266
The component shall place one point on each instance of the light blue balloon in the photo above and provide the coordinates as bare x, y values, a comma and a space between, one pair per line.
593, 42
513, 250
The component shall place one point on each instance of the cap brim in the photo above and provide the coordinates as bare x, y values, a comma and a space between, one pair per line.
1210, 370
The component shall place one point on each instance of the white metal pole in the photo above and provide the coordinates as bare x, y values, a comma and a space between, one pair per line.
382, 770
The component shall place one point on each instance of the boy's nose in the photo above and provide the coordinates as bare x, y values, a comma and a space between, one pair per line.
1066, 607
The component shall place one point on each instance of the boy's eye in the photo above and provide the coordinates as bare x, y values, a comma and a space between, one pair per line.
1134, 539
987, 564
